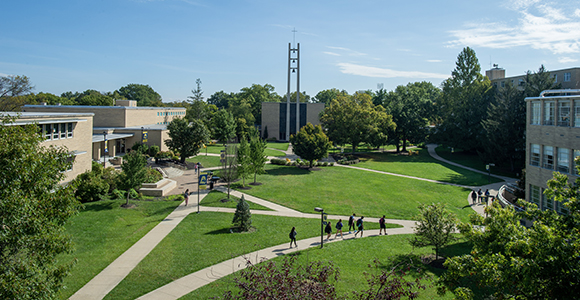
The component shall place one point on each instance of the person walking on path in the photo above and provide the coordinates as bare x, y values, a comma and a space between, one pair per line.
486, 195
473, 196
479, 196
351, 223
195, 168
382, 225
186, 196
328, 230
339, 228
292, 235
360, 226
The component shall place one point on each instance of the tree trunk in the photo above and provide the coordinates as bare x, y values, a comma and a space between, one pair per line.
404, 142
311, 164
255, 175
127, 202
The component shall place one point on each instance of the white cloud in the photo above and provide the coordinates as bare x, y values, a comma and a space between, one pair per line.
434, 60
353, 69
348, 51
577, 12
331, 53
566, 60
547, 29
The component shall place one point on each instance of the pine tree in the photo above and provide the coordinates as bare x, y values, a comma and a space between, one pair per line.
242, 216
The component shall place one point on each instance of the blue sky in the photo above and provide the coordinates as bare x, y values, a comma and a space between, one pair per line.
352, 45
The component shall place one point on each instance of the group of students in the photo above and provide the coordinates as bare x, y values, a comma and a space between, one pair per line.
351, 225
477, 196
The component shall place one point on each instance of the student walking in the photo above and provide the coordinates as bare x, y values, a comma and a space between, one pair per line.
479, 195
382, 225
360, 226
473, 196
328, 230
292, 235
186, 196
339, 228
351, 223
486, 196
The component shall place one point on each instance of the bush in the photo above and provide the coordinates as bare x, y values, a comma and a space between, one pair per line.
153, 150
110, 175
278, 161
91, 187
152, 176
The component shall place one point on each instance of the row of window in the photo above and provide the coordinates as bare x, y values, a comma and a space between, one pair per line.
170, 113
163, 123
537, 197
56, 131
547, 114
567, 78
552, 158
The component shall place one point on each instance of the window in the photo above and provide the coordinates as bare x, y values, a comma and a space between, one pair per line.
69, 132
562, 208
576, 154
555, 78
577, 113
547, 203
549, 113
55, 132
521, 82
48, 131
535, 107
63, 130
564, 113
567, 77
548, 158
502, 84
563, 160
535, 195
535, 156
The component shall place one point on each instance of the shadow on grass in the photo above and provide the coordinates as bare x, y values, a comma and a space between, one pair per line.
219, 231
100, 205
284, 170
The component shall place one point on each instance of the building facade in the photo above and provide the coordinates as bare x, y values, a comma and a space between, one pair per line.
274, 117
72, 131
117, 128
568, 78
552, 142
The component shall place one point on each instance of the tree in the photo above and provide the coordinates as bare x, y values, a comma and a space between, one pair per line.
242, 217
289, 280
505, 127
326, 96
254, 96
10, 88
34, 208
224, 126
133, 173
187, 139
94, 98
435, 227
535, 83
410, 107
310, 143
222, 99
463, 104
257, 157
197, 93
230, 171
244, 163
352, 120
242, 112
304, 98
511, 261
143, 94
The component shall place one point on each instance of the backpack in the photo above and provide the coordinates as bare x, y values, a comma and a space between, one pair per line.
382, 221
292, 234
359, 222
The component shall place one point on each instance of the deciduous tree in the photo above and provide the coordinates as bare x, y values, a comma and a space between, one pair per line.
186, 138
10, 88
244, 162
133, 173
257, 156
435, 227
310, 143
224, 126
326, 96
142, 93
34, 207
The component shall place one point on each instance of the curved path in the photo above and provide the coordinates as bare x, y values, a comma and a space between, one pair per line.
113, 274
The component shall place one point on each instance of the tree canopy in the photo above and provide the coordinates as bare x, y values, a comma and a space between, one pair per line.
310, 143
142, 93
186, 138
10, 88
33, 210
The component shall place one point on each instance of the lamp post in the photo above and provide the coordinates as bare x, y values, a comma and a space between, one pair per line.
141, 135
321, 211
489, 171
105, 150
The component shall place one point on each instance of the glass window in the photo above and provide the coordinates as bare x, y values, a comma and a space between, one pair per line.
562, 208
48, 131
535, 156
555, 78
567, 77
63, 130
564, 113
535, 195
521, 82
535, 107
69, 131
548, 158
55, 134
549, 113
563, 160
503, 84
576, 113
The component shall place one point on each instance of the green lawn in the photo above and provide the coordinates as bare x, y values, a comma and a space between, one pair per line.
216, 149
206, 161
102, 231
214, 198
423, 166
279, 146
352, 258
343, 191
204, 239
472, 160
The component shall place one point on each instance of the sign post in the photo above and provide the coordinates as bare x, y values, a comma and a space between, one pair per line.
201, 182
322, 218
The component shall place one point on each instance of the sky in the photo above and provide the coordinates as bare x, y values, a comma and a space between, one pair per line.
349, 45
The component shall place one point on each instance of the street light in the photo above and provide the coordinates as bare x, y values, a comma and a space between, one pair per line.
141, 135
106, 150
489, 171
321, 211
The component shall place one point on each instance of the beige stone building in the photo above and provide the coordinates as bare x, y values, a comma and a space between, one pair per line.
117, 128
568, 78
552, 142
274, 117
72, 131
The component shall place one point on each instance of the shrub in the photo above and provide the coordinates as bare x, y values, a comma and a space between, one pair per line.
152, 176
109, 175
277, 161
91, 187
153, 150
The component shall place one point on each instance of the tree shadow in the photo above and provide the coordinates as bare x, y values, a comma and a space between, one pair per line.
287, 171
100, 206
219, 231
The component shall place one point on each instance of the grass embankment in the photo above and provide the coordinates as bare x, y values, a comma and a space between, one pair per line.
343, 191
204, 239
352, 257
424, 166
103, 230
472, 160
279, 146
214, 199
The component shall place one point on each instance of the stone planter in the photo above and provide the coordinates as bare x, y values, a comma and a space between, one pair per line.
116, 161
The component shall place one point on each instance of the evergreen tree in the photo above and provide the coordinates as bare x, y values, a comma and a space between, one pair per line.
242, 216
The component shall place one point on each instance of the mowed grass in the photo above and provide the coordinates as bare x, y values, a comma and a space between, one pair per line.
216, 149
352, 257
102, 231
343, 191
472, 160
423, 166
214, 198
204, 239
206, 161
279, 146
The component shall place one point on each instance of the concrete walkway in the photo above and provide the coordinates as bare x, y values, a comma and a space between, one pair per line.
105, 281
